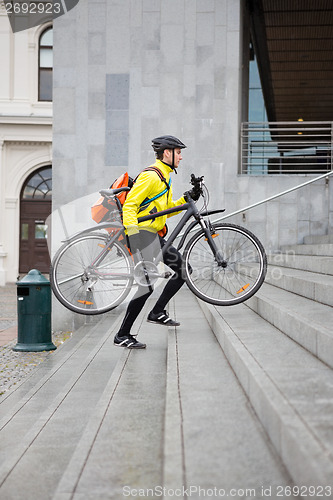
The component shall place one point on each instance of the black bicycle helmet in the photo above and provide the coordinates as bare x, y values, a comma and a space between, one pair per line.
159, 144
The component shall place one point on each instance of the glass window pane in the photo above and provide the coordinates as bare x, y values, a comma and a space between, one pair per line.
45, 85
41, 190
35, 180
24, 231
45, 65
46, 173
40, 231
28, 193
47, 37
46, 58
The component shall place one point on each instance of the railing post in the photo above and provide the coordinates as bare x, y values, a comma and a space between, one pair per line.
331, 146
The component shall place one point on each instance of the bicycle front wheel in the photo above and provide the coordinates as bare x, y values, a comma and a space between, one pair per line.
233, 280
90, 277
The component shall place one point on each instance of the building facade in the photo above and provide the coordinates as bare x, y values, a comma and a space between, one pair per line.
126, 71
25, 147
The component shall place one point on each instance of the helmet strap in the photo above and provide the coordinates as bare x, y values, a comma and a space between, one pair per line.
173, 161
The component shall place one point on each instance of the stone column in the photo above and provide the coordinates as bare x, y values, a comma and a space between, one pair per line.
3, 254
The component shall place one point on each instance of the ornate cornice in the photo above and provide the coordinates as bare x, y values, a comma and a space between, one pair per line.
25, 120
27, 142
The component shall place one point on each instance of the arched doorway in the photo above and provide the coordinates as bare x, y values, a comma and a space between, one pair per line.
35, 207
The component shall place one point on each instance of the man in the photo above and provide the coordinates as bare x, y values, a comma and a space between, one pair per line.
151, 192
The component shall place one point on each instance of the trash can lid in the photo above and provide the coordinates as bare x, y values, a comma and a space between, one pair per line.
32, 278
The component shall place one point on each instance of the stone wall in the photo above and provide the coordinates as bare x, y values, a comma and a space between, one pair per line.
126, 71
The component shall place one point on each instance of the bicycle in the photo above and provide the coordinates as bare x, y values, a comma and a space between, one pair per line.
94, 270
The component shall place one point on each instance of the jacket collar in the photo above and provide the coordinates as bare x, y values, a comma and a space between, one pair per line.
163, 166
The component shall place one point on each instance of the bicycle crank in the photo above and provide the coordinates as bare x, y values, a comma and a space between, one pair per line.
146, 273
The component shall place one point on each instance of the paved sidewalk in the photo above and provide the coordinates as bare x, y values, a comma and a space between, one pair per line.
8, 314
16, 366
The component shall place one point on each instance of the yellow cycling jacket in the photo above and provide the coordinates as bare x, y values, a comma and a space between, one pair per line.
147, 186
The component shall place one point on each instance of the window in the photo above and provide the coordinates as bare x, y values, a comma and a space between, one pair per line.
45, 65
39, 185
40, 231
24, 231
257, 109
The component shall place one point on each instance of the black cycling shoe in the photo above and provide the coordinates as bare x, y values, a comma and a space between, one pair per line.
128, 341
161, 318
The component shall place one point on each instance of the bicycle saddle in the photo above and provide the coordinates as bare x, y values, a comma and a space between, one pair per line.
112, 192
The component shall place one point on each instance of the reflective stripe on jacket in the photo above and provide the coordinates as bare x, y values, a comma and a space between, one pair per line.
148, 185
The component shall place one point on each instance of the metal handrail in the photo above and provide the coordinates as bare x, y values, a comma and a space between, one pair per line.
327, 174
287, 191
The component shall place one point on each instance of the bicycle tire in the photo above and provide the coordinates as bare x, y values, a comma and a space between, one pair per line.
75, 283
243, 270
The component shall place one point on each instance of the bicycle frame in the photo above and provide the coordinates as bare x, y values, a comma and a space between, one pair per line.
212, 267
190, 210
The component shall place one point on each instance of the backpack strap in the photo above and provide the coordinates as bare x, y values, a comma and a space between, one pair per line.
159, 173
147, 201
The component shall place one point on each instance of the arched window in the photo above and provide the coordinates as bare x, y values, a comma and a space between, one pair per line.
45, 65
39, 185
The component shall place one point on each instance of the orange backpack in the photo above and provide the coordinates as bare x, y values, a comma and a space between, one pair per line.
111, 210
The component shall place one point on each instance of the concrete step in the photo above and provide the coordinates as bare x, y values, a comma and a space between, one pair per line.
289, 388
319, 264
318, 287
207, 426
312, 249
325, 238
307, 322
80, 341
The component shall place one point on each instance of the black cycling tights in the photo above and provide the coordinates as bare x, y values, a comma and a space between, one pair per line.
173, 259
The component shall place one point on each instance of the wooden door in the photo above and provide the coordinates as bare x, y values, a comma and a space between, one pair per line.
35, 207
33, 239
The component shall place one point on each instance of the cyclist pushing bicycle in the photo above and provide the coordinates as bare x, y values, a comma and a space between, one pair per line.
94, 270
149, 186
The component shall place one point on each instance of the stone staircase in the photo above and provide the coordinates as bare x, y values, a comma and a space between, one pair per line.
236, 401
99, 422
280, 345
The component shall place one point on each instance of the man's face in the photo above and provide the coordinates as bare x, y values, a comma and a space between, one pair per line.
167, 158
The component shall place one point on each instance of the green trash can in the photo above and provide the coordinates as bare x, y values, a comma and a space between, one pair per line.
34, 313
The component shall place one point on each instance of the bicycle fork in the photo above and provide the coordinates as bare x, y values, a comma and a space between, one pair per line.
210, 234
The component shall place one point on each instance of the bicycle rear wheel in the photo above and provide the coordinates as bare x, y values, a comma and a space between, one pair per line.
88, 282
241, 273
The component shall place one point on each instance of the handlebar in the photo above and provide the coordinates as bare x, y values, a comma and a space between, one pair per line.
197, 181
197, 190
